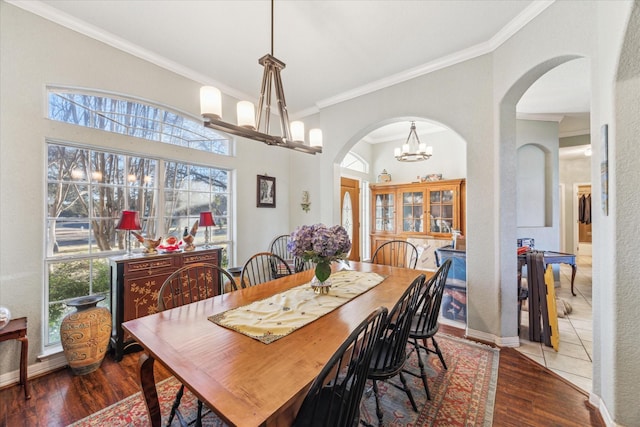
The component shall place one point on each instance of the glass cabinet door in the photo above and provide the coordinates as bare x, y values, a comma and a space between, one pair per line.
384, 212
441, 211
412, 211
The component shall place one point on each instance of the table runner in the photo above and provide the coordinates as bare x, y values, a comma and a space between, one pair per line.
275, 317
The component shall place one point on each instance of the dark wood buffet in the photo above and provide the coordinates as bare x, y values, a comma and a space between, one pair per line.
135, 284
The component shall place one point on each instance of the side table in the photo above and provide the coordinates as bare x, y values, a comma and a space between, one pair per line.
17, 330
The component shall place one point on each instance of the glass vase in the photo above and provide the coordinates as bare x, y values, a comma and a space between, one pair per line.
320, 282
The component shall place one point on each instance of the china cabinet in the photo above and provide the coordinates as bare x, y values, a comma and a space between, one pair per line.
416, 210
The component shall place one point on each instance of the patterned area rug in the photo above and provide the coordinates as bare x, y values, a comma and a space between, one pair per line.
462, 395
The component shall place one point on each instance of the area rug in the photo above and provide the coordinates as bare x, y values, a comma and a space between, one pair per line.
462, 395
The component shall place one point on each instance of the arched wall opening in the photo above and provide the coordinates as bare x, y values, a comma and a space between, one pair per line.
508, 207
376, 145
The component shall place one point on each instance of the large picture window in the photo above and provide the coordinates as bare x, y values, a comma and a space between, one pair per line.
87, 188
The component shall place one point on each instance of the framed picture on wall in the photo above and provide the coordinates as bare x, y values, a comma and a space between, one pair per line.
266, 192
604, 169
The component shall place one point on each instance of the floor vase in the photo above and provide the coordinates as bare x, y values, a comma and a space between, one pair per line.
85, 334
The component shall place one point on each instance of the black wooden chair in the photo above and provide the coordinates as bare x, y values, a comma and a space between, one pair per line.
263, 267
191, 283
396, 253
390, 353
425, 321
194, 282
279, 246
334, 397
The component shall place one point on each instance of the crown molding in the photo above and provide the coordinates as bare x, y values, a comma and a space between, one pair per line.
45, 11
541, 117
42, 9
515, 25
579, 132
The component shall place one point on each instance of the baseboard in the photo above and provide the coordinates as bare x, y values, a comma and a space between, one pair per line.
37, 369
598, 403
491, 338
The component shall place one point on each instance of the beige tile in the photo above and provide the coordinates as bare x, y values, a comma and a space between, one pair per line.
530, 348
538, 359
582, 323
569, 349
564, 325
570, 337
568, 364
585, 334
588, 347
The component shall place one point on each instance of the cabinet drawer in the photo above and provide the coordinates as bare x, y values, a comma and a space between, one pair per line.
143, 266
209, 257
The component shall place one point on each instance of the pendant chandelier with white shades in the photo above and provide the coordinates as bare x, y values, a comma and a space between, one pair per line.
254, 124
413, 150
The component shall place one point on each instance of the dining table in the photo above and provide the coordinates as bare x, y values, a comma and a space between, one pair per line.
244, 381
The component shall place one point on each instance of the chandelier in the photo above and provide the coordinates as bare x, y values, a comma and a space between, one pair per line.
254, 124
413, 150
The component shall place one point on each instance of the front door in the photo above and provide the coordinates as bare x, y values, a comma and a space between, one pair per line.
350, 213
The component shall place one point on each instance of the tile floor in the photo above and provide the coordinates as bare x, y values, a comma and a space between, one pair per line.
574, 356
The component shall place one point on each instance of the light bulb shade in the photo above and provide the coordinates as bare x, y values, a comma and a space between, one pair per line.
129, 220
422, 148
429, 151
246, 115
315, 137
211, 101
206, 219
397, 152
405, 148
297, 131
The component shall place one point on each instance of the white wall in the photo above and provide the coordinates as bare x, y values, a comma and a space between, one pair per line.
572, 172
537, 201
449, 158
36, 53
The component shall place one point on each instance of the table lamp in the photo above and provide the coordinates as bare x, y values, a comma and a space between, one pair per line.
206, 220
129, 220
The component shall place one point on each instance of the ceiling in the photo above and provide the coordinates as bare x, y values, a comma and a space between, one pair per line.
334, 49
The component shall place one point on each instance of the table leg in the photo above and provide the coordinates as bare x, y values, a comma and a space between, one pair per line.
24, 351
573, 276
149, 391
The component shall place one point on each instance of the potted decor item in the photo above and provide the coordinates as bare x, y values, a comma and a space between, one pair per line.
321, 245
85, 334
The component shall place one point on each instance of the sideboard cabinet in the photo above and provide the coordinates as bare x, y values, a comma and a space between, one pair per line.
416, 210
136, 283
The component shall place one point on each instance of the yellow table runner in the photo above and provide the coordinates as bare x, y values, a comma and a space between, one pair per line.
275, 317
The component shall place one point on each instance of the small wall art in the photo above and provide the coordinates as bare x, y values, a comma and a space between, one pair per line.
266, 192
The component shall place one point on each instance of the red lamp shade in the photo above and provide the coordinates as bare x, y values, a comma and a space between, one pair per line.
206, 219
129, 221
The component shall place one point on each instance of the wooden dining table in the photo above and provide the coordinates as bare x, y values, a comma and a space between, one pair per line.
242, 380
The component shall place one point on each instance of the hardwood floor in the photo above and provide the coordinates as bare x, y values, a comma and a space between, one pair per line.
527, 394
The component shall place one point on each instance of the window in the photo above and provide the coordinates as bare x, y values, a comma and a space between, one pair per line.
355, 163
88, 188
129, 116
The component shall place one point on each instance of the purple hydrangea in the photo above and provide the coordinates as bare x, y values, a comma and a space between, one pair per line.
319, 243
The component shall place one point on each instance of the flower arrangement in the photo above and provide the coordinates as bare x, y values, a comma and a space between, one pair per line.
320, 244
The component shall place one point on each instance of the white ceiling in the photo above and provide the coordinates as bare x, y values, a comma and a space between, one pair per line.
334, 49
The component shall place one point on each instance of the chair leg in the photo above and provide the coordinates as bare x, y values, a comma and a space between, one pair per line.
423, 374
378, 410
176, 403
199, 417
406, 389
438, 352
